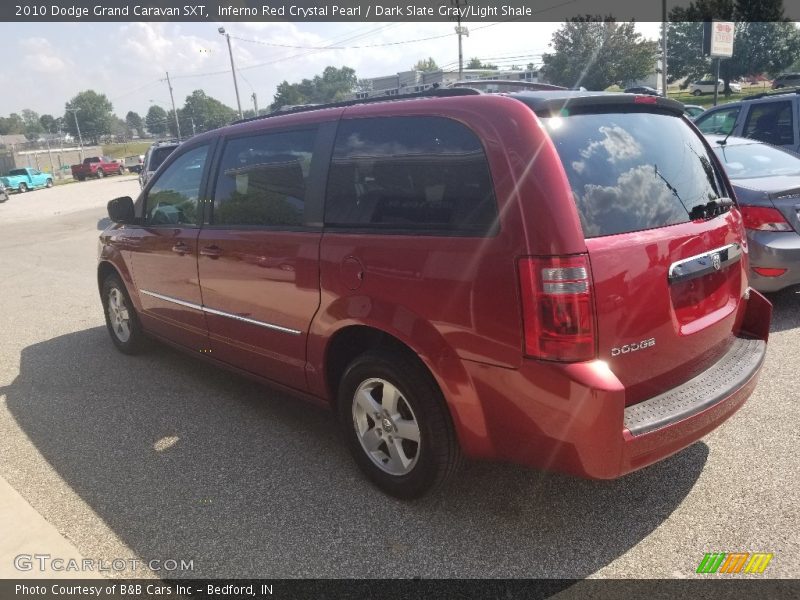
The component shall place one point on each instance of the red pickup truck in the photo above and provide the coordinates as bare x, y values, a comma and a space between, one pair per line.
97, 166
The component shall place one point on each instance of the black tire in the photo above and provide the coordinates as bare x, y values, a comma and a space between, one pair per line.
121, 171
437, 455
100, 173
22, 188
697, 93
3, 197
136, 341
49, 183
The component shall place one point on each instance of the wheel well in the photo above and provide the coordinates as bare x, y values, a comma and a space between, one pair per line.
351, 342
104, 269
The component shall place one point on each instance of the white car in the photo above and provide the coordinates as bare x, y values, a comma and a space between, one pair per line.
706, 86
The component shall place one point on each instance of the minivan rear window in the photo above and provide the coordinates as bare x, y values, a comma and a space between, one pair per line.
633, 170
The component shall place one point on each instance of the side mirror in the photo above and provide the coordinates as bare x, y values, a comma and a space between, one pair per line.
120, 210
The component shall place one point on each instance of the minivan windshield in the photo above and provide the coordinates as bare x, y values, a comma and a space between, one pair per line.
631, 171
159, 155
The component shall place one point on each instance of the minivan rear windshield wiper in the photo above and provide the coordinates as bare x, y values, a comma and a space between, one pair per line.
710, 209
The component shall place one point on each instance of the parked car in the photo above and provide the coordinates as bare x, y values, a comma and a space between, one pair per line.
706, 86
134, 163
456, 273
767, 184
26, 179
642, 89
693, 111
786, 80
97, 166
153, 158
3, 193
769, 117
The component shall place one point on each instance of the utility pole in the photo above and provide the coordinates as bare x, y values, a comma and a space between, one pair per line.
664, 47
175, 112
255, 102
460, 31
221, 31
74, 112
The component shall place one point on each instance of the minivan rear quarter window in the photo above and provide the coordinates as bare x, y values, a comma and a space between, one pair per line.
633, 170
417, 173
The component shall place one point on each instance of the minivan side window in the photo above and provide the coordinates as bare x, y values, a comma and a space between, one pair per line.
262, 179
410, 173
770, 122
173, 198
719, 122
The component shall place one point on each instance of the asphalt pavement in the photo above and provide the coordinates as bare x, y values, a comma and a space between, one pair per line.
160, 458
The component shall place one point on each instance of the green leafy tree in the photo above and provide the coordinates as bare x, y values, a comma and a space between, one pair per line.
207, 113
426, 65
764, 41
596, 53
332, 85
33, 128
156, 120
134, 121
48, 123
475, 63
94, 115
12, 124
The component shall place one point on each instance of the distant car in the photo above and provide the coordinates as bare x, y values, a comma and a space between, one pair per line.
26, 179
786, 80
155, 155
97, 166
3, 193
693, 111
706, 86
134, 163
642, 89
766, 180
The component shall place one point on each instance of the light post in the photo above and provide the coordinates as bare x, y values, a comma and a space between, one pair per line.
222, 31
74, 112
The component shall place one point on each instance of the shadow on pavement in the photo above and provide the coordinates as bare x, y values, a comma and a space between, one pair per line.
785, 309
186, 461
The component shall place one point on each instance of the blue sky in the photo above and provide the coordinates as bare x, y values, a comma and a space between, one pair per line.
46, 64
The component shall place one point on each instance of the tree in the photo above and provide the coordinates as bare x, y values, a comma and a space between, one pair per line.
333, 85
475, 63
426, 65
13, 124
156, 120
33, 128
48, 123
596, 53
120, 129
763, 39
94, 115
207, 113
134, 121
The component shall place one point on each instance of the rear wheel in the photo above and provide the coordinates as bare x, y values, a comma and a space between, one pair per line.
22, 188
396, 424
121, 319
697, 93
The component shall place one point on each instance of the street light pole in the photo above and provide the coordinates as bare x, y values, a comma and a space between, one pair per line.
233, 70
74, 112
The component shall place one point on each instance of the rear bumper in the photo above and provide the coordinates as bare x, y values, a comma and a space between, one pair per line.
776, 251
573, 418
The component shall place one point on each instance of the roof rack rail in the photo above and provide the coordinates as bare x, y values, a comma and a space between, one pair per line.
435, 92
780, 92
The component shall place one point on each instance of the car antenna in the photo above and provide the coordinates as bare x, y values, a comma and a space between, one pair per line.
725, 140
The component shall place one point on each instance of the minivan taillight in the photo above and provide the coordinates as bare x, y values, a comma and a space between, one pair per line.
557, 307
763, 218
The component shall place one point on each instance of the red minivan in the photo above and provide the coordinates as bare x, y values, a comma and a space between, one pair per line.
556, 279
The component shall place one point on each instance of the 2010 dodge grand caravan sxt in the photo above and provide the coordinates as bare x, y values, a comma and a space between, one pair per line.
556, 279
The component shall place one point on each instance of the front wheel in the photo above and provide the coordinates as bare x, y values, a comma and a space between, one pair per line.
100, 173
121, 171
49, 183
22, 188
121, 319
396, 424
697, 93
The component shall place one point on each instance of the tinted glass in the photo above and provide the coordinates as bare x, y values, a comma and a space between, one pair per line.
720, 122
262, 179
17, 172
159, 155
771, 122
632, 171
410, 173
173, 199
756, 160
